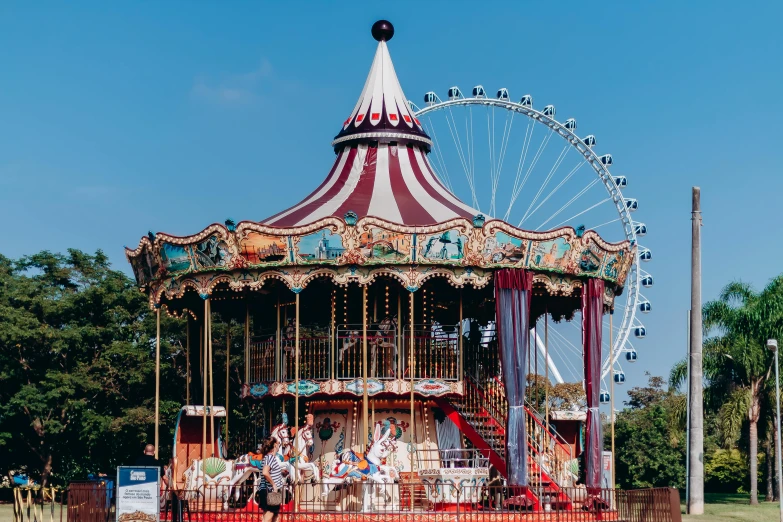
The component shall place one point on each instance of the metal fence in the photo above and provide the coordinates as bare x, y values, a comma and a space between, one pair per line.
80, 502
436, 501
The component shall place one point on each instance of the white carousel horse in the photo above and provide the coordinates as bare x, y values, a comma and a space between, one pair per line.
351, 467
247, 466
295, 456
351, 341
302, 451
213, 480
385, 340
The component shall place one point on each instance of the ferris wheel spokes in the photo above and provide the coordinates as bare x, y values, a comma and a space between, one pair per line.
596, 202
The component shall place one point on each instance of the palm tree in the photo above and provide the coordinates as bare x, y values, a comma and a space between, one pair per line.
737, 364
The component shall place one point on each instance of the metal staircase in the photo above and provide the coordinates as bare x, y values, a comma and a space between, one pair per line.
480, 414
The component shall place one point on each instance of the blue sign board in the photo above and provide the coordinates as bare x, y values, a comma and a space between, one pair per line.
138, 494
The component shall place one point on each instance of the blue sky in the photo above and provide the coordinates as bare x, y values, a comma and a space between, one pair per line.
120, 118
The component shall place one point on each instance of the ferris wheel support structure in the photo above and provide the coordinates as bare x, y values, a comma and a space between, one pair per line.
599, 164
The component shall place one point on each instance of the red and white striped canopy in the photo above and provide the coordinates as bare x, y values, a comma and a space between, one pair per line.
381, 169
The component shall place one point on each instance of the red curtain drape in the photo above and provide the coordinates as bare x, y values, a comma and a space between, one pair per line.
513, 291
592, 321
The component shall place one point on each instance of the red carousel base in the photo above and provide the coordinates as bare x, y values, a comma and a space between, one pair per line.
252, 512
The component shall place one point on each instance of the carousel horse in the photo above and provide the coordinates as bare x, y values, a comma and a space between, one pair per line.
385, 338
248, 465
295, 455
352, 340
351, 467
213, 480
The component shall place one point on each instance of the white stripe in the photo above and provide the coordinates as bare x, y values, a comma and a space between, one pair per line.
335, 175
428, 176
369, 86
376, 104
383, 204
329, 207
389, 88
435, 208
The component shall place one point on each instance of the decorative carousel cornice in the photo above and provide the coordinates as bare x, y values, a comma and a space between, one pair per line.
221, 253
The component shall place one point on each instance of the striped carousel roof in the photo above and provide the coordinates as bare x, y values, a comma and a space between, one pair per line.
381, 168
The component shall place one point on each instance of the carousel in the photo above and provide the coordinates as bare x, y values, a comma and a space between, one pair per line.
388, 332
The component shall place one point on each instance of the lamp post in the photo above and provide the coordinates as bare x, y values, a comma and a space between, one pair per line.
772, 344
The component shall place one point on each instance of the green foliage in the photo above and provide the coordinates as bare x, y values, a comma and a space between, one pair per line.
726, 471
77, 366
650, 446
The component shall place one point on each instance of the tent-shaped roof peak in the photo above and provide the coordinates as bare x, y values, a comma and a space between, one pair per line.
382, 113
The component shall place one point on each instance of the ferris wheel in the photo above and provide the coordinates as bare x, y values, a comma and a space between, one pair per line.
518, 163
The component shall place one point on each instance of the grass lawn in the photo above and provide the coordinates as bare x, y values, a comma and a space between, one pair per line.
730, 508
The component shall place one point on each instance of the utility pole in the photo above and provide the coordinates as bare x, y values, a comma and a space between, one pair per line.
695, 402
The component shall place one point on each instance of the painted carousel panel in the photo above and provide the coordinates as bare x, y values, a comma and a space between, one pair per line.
554, 254
259, 248
441, 247
503, 249
145, 267
175, 258
211, 253
378, 245
322, 247
590, 259
615, 266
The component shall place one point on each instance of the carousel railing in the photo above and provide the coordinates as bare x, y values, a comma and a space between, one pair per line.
553, 454
432, 352
451, 458
477, 500
436, 352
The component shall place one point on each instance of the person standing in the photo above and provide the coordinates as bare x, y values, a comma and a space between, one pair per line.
272, 474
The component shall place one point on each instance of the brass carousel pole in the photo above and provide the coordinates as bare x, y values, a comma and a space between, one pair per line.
546, 365
413, 421
157, 378
296, 400
412, 363
278, 373
399, 336
365, 405
247, 341
204, 379
296, 367
228, 361
461, 333
611, 394
211, 389
187, 360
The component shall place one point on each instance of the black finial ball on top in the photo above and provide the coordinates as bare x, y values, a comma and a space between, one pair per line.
382, 30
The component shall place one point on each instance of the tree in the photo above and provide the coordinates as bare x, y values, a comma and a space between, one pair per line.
650, 445
737, 365
77, 366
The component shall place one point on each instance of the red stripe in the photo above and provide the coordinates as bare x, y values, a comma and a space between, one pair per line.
411, 211
430, 189
325, 181
295, 217
359, 200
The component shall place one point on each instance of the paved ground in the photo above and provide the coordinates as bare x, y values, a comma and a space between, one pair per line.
6, 513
